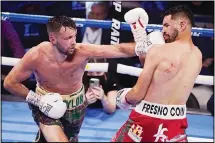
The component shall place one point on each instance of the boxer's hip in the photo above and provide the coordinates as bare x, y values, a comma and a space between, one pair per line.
153, 122
151, 131
72, 119
161, 111
73, 100
76, 103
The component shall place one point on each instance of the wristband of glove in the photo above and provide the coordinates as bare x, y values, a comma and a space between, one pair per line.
142, 48
153, 38
121, 100
33, 98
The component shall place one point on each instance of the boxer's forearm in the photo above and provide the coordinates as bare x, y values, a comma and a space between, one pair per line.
119, 50
108, 51
131, 98
134, 96
16, 88
128, 48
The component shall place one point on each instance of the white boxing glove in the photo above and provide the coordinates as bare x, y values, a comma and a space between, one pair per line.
51, 104
138, 19
121, 99
153, 38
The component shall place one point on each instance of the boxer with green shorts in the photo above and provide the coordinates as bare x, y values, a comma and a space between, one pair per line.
58, 66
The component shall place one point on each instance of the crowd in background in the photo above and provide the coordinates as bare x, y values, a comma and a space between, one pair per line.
18, 37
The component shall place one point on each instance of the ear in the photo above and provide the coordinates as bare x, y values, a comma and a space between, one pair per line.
183, 25
52, 39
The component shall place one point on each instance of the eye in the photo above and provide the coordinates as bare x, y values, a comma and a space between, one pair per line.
67, 38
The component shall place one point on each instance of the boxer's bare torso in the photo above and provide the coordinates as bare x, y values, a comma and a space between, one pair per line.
64, 77
60, 73
175, 74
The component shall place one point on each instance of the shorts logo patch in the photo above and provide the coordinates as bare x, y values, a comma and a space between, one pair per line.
160, 134
135, 133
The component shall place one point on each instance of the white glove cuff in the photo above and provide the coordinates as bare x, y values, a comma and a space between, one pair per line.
140, 35
142, 48
33, 98
121, 99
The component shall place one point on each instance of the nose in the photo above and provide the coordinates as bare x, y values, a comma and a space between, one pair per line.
73, 41
162, 30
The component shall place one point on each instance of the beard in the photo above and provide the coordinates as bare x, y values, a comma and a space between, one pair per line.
171, 37
63, 51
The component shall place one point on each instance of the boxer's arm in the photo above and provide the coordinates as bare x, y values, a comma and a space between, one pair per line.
19, 73
138, 92
109, 51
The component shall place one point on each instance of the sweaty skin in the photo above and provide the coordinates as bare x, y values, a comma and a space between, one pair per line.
170, 77
62, 77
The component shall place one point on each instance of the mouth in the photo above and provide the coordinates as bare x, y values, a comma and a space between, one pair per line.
71, 49
165, 37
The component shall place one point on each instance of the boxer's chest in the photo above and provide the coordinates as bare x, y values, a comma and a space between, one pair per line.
67, 72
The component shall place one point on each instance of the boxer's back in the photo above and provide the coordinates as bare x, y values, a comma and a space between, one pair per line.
175, 75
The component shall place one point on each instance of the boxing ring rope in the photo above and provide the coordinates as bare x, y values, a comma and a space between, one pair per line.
122, 69
80, 22
93, 67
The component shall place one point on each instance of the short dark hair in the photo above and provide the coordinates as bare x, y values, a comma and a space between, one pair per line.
55, 23
180, 10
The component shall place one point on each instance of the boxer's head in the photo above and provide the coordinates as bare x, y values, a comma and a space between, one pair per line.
176, 20
62, 33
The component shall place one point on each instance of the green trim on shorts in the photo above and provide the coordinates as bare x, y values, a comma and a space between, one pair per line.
72, 119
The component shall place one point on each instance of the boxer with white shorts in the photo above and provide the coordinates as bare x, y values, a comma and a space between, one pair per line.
165, 83
58, 105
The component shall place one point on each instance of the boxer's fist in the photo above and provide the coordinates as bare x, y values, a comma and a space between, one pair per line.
52, 105
156, 37
153, 38
138, 19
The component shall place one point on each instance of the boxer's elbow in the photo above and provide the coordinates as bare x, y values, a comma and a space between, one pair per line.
8, 84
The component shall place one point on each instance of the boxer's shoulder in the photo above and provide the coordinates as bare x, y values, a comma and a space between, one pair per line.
38, 51
44, 44
78, 46
83, 46
198, 56
33, 53
198, 52
40, 47
154, 51
83, 49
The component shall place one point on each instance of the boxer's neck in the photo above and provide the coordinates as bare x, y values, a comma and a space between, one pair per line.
59, 57
184, 36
